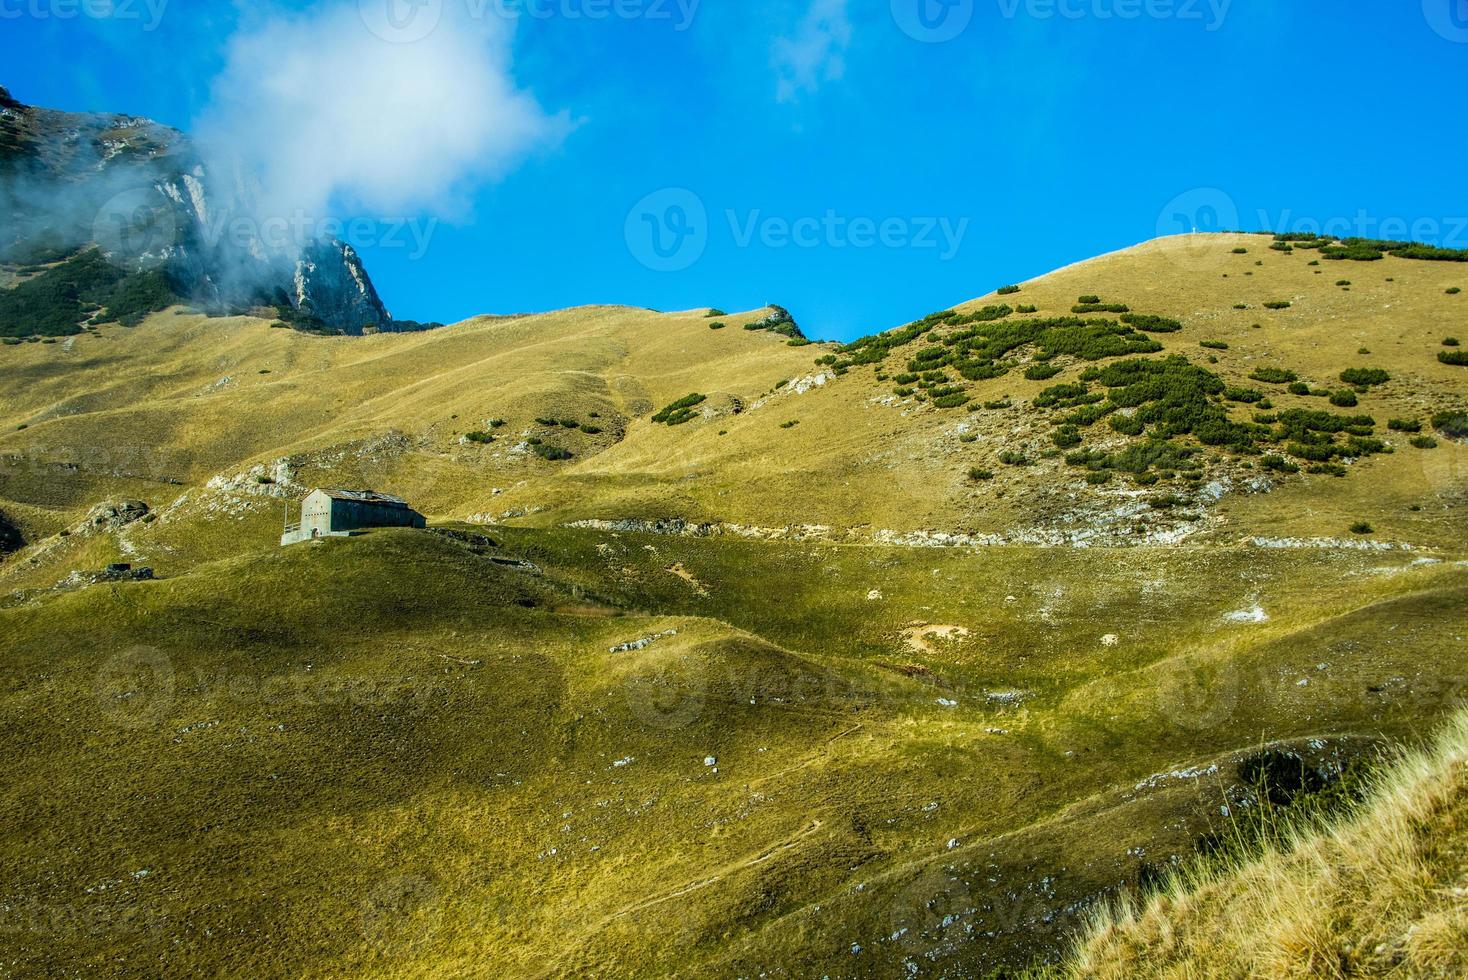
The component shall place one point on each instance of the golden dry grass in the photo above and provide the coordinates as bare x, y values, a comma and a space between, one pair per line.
1383, 894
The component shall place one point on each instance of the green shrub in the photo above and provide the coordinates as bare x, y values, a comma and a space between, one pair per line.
1343, 282
1004, 291
591, 430
1278, 305
1027, 309
680, 411
1042, 372
1151, 323
718, 325
999, 405
1241, 251
1127, 425
1213, 344
1273, 376
1424, 442
1361, 527
1455, 358
1166, 501
496, 423
1365, 377
1011, 458
951, 400
1278, 464
1451, 342
712, 314
553, 454
1344, 399
1296, 388
1100, 308
790, 425
551, 423
1404, 425
1454, 290
483, 438
54, 303
570, 424
1453, 424
1089, 300
979, 476
1248, 396
1066, 437
1097, 477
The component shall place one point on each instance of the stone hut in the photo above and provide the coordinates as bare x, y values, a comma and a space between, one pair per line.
337, 513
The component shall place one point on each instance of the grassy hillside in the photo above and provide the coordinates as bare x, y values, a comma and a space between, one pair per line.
740, 655
403, 753
1379, 895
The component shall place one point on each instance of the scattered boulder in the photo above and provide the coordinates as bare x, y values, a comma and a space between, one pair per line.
119, 572
112, 516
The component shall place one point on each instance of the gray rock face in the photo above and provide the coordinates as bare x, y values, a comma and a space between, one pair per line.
112, 516
331, 284
149, 199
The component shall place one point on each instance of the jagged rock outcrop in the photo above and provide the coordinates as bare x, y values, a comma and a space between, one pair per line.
112, 516
145, 196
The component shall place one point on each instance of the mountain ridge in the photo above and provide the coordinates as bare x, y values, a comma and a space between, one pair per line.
149, 200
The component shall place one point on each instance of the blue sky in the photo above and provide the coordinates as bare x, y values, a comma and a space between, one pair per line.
862, 163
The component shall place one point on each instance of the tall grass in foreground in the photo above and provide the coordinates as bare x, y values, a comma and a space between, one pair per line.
1383, 892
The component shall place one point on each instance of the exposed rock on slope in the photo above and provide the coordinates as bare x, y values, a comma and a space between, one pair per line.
151, 201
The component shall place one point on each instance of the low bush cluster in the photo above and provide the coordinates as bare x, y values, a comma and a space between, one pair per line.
681, 410
1365, 377
1274, 376
1151, 323
1453, 424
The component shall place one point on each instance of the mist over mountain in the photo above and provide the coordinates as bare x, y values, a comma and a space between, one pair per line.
154, 204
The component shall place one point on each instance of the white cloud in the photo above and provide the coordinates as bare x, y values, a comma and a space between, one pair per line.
328, 112
816, 53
